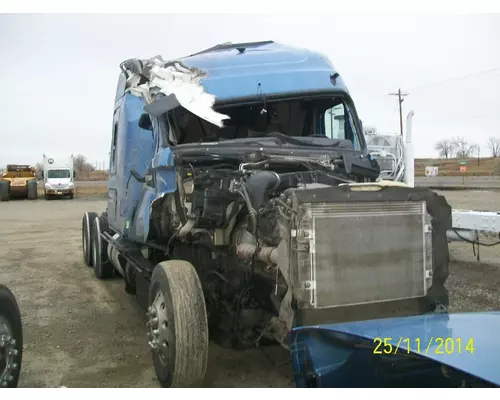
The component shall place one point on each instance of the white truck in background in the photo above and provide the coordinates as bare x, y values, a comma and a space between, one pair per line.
58, 176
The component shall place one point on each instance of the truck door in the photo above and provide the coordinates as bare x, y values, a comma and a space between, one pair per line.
113, 181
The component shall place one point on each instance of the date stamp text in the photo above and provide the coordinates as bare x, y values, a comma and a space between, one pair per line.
432, 345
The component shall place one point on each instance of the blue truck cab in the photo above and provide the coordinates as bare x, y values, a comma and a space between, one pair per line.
243, 203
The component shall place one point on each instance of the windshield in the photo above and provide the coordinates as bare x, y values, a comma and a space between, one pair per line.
329, 118
58, 173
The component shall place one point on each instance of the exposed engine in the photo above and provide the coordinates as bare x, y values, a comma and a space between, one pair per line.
229, 224
270, 247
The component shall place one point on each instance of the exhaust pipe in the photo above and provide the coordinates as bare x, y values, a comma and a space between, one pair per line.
409, 171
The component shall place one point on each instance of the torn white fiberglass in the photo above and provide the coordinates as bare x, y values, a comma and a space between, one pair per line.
174, 78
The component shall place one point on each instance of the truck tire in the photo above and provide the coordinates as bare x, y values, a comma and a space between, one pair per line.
32, 190
87, 236
102, 267
4, 191
178, 326
11, 339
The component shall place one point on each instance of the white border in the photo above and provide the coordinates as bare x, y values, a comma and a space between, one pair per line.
255, 6
227, 6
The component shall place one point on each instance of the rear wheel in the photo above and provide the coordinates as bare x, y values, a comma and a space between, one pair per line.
4, 191
102, 267
11, 339
87, 236
32, 190
178, 327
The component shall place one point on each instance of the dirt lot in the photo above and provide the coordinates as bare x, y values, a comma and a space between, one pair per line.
473, 285
80, 332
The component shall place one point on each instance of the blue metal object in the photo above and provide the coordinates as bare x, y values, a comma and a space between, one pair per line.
264, 70
269, 69
235, 73
465, 342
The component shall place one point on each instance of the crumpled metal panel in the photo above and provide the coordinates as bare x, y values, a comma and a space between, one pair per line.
177, 80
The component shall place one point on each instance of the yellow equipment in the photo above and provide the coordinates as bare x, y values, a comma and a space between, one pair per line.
18, 181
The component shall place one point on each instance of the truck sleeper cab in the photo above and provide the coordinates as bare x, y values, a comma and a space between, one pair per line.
242, 202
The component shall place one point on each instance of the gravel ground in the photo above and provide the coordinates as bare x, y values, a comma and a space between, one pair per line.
81, 332
473, 284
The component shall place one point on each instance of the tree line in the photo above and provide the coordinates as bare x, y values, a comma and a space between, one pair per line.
459, 147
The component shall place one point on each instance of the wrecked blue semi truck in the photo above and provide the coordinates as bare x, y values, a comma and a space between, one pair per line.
243, 203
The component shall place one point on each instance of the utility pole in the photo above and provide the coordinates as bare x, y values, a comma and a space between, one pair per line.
400, 101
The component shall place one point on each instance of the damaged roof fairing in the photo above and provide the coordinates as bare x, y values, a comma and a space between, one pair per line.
180, 84
228, 72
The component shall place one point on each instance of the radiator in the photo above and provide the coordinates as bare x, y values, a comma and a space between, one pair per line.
358, 253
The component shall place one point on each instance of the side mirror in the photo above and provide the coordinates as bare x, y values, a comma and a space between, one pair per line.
42, 175
145, 122
74, 174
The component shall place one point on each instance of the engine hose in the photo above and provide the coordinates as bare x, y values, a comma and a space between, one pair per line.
251, 210
258, 185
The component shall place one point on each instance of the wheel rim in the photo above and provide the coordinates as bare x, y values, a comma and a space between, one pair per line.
8, 353
85, 244
94, 252
160, 328
85, 238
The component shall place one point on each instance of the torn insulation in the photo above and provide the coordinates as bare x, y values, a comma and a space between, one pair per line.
172, 78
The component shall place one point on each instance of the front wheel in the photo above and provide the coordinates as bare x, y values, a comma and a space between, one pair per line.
11, 339
178, 327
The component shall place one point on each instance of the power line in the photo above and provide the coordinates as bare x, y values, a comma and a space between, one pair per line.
458, 78
400, 101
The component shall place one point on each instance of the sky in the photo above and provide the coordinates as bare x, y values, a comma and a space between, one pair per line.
59, 72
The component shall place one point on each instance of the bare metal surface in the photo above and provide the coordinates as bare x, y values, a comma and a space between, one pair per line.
477, 220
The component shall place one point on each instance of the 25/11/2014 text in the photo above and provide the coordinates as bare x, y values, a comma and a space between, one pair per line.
436, 345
